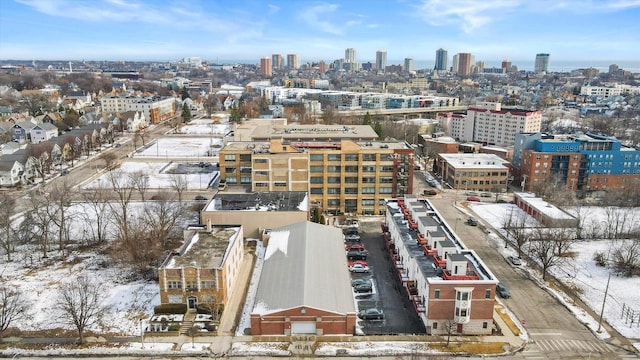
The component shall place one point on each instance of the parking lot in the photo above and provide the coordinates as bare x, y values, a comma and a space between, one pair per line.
387, 293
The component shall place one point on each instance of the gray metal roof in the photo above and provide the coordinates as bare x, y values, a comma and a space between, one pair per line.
305, 265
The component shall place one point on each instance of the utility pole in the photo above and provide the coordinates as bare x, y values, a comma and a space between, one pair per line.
606, 290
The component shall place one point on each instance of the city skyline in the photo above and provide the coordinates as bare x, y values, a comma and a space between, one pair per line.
169, 30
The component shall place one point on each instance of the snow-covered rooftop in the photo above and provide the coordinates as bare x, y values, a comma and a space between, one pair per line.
475, 160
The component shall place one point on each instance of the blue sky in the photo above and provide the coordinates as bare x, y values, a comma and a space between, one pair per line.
491, 30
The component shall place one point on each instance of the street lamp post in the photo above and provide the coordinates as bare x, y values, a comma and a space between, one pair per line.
141, 333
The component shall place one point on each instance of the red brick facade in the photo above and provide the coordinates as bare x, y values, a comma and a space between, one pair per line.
279, 323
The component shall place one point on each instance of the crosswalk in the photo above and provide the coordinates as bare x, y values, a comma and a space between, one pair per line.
542, 349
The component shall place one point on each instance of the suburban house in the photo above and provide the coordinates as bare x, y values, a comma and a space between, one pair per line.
257, 212
304, 285
451, 288
16, 168
204, 270
43, 132
22, 131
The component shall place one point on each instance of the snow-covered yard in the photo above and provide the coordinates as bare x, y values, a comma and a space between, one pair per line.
582, 271
181, 147
158, 176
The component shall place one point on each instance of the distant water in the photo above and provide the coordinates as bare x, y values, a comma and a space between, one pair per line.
554, 66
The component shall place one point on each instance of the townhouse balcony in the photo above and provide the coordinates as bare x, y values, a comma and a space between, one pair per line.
470, 275
417, 304
441, 263
429, 252
411, 288
422, 240
413, 225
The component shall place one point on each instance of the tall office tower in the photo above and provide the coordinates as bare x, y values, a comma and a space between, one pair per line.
266, 68
276, 60
613, 68
408, 65
381, 60
542, 63
292, 61
454, 64
506, 66
464, 64
441, 59
322, 67
350, 55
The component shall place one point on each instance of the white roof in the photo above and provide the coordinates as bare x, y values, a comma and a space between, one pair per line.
475, 161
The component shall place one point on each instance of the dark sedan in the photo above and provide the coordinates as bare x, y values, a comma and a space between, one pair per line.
371, 314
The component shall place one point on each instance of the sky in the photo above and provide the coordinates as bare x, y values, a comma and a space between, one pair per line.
168, 30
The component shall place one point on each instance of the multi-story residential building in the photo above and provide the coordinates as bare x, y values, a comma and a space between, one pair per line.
432, 146
408, 65
156, 109
455, 125
266, 68
292, 61
542, 63
493, 125
381, 60
350, 55
582, 162
276, 61
441, 60
606, 92
204, 270
479, 172
341, 176
464, 62
451, 288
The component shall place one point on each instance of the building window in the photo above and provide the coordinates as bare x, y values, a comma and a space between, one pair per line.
316, 169
245, 157
280, 184
333, 191
368, 202
191, 285
351, 191
333, 168
386, 168
207, 284
487, 294
333, 157
485, 324
174, 284
316, 180
230, 157
333, 202
368, 169
333, 180
350, 180
230, 169
245, 180
351, 169
316, 191
316, 157
368, 190
386, 190
350, 157
368, 180
434, 325
368, 157
261, 184
436, 294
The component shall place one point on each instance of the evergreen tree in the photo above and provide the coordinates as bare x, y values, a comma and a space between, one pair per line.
367, 119
185, 93
186, 113
377, 127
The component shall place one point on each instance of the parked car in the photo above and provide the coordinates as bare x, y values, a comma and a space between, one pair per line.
514, 260
359, 268
363, 288
357, 255
471, 221
472, 193
429, 192
371, 314
356, 282
357, 247
201, 197
64, 172
362, 262
486, 194
432, 182
501, 201
352, 237
503, 291
473, 198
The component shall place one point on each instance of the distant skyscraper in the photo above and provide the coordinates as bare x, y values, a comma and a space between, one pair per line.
441, 59
464, 64
613, 68
350, 55
276, 60
542, 63
322, 67
292, 61
381, 60
408, 65
266, 68
506, 66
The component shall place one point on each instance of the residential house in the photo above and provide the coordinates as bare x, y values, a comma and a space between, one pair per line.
22, 131
304, 262
16, 168
43, 132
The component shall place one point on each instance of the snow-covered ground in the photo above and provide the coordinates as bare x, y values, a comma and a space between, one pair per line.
582, 271
205, 127
181, 147
157, 176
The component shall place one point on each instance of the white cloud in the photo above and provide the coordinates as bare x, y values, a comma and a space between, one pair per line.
468, 14
316, 16
272, 9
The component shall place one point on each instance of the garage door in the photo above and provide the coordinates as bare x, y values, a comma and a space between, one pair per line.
303, 327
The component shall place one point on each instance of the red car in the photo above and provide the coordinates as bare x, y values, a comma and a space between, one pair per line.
358, 247
473, 198
361, 262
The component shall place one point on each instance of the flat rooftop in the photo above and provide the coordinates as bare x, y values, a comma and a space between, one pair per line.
475, 160
204, 249
260, 201
314, 132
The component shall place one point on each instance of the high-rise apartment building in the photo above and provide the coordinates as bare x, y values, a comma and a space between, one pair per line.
542, 63
266, 68
493, 125
292, 61
276, 61
464, 64
506, 66
441, 60
381, 60
350, 55
408, 65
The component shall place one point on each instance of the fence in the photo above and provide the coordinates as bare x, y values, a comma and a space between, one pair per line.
630, 316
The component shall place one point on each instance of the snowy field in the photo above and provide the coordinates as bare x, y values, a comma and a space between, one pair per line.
582, 271
181, 147
157, 176
205, 127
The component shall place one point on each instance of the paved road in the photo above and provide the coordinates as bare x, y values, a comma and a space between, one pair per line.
554, 331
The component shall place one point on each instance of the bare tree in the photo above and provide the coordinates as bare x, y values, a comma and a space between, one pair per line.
96, 200
140, 181
515, 224
80, 300
162, 216
8, 238
625, 258
550, 247
40, 217
618, 221
179, 183
13, 307
450, 327
123, 188
109, 159
60, 197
